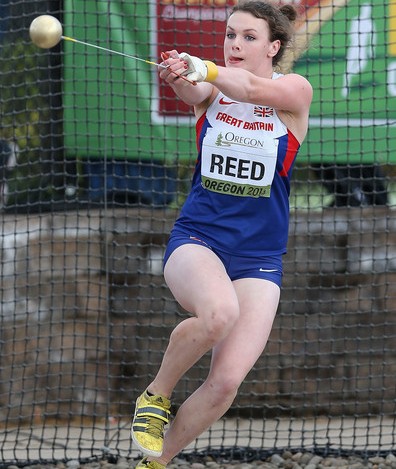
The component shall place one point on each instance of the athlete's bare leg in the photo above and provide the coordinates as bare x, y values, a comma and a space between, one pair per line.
200, 284
232, 359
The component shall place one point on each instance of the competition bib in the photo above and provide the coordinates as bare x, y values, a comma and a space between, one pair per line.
238, 165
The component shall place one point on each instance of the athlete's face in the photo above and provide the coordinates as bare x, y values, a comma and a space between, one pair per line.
247, 44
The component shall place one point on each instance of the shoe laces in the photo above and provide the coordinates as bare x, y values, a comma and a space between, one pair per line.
152, 464
155, 427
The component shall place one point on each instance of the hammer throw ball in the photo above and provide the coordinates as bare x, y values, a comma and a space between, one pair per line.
45, 31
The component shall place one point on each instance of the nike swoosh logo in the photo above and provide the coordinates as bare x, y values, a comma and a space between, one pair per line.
268, 270
222, 101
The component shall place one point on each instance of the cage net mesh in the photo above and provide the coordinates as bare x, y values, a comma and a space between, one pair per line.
96, 161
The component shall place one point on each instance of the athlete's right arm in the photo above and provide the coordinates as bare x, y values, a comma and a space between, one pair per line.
193, 94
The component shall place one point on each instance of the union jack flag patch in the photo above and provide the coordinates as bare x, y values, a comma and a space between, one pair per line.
263, 111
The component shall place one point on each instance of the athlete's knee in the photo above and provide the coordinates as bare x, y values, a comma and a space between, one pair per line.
220, 319
223, 388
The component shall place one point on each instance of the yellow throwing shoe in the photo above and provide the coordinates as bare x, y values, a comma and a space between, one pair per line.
144, 464
147, 429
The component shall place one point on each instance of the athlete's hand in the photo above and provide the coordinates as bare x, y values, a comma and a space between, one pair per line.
198, 70
171, 67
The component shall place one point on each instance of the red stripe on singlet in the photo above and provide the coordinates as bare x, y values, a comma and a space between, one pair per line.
198, 128
292, 148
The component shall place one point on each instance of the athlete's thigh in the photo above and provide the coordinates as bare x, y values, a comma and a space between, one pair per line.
258, 302
197, 278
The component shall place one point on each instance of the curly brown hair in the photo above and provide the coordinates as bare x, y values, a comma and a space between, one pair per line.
279, 19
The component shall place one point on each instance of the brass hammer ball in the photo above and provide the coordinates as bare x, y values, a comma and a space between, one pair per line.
45, 31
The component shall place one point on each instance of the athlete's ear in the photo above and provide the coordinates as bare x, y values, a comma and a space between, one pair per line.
274, 48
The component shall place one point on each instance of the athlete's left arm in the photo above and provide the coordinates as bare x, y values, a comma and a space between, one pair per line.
291, 93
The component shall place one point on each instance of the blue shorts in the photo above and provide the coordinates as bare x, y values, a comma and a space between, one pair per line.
237, 267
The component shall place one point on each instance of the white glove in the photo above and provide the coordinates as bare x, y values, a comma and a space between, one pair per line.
198, 70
